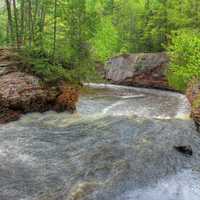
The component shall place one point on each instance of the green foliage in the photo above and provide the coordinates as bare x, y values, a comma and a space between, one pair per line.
53, 73
2, 29
184, 52
105, 42
48, 71
78, 32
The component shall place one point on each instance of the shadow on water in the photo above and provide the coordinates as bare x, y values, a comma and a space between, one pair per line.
119, 146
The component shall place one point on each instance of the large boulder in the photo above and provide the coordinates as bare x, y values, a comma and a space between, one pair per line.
143, 69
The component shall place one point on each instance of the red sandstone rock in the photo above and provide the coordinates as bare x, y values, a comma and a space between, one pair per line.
22, 93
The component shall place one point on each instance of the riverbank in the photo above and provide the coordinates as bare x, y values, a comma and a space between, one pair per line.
149, 70
22, 92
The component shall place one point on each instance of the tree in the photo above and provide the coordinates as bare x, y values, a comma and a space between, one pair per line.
16, 24
78, 31
55, 29
10, 22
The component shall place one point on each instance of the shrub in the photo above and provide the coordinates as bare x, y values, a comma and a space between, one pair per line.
184, 52
40, 63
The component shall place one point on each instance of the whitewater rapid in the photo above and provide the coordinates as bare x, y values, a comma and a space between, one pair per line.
117, 146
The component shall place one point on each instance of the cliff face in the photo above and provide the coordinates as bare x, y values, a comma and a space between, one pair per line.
21, 92
143, 69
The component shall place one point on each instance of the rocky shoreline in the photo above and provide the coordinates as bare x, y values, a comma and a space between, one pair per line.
149, 70
21, 92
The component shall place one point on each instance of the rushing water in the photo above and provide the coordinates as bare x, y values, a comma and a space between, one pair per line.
118, 146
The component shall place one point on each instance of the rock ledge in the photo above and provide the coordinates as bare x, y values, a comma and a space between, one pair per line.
21, 92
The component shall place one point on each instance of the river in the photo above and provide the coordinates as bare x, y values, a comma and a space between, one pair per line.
118, 146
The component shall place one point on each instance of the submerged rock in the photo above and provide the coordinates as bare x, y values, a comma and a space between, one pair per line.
144, 69
187, 150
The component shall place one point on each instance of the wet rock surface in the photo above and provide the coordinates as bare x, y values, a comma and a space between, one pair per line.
186, 150
145, 69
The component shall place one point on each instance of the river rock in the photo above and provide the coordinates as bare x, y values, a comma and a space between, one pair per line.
187, 150
143, 69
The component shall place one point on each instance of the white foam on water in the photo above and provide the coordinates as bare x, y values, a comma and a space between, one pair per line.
133, 96
183, 109
2, 153
183, 186
107, 109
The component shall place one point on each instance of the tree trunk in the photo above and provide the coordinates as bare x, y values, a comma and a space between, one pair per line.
16, 24
41, 25
22, 8
30, 23
35, 18
10, 22
55, 30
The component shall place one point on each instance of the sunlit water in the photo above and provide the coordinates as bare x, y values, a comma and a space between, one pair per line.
118, 146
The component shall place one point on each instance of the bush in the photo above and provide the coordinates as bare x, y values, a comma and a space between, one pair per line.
41, 64
184, 52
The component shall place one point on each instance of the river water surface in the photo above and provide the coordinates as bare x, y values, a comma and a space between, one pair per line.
118, 146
